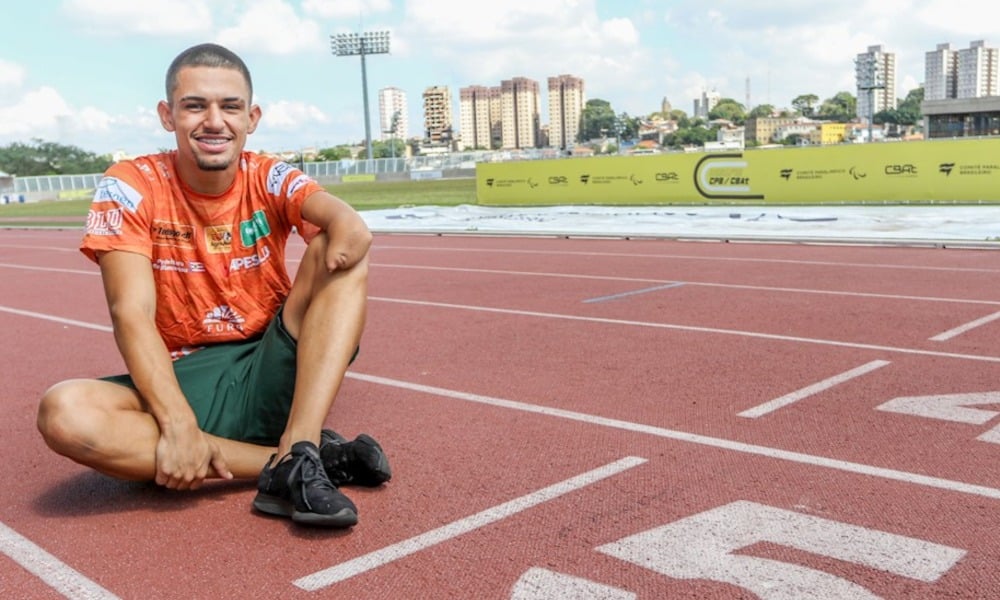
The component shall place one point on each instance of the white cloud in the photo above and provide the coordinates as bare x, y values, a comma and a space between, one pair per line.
290, 116
150, 17
36, 112
11, 75
346, 9
273, 27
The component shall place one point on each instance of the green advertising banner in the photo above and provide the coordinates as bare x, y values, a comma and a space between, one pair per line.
948, 172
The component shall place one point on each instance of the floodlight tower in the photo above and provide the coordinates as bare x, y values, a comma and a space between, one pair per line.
362, 44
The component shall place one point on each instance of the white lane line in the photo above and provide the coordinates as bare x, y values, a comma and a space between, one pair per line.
388, 554
632, 256
634, 292
46, 248
683, 436
50, 269
729, 286
52, 571
694, 329
44, 317
773, 405
947, 335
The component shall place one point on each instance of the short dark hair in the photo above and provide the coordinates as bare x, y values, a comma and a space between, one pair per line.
206, 55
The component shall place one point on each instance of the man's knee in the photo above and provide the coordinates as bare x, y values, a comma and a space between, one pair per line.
67, 419
54, 420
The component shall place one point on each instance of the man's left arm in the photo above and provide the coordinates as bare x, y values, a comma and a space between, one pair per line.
347, 233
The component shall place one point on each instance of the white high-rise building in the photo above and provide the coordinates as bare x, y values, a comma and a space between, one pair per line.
875, 73
566, 104
479, 116
940, 73
977, 71
392, 107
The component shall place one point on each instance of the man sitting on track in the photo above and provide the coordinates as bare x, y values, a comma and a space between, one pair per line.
232, 367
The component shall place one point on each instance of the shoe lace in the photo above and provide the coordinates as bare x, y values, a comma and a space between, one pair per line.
310, 473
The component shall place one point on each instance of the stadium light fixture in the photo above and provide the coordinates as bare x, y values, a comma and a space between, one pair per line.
362, 44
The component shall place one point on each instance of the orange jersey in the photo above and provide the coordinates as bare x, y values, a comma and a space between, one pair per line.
218, 261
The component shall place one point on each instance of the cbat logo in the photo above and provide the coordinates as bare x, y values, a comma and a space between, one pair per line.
724, 176
786, 174
254, 229
907, 170
946, 168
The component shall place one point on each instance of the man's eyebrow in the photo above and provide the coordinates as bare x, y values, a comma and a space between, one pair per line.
203, 99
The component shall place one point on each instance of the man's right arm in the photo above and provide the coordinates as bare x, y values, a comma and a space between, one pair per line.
183, 454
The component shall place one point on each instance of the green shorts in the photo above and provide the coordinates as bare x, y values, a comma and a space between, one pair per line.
239, 390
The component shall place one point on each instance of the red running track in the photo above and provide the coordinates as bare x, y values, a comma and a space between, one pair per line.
568, 418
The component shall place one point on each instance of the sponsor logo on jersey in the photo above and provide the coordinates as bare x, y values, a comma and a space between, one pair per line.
104, 222
250, 262
168, 233
178, 266
298, 182
219, 239
254, 229
276, 177
116, 190
223, 319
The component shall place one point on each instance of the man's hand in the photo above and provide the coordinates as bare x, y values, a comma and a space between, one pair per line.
185, 457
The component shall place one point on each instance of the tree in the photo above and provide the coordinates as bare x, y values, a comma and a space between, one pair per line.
908, 112
842, 107
730, 110
598, 119
49, 158
761, 111
804, 104
332, 154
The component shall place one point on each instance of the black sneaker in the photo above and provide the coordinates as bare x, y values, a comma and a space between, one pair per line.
297, 486
361, 462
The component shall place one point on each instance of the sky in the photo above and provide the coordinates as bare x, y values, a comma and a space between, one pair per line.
89, 73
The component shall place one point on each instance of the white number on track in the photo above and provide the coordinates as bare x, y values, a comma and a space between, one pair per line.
703, 546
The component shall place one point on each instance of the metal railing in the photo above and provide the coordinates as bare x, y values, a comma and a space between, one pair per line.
317, 170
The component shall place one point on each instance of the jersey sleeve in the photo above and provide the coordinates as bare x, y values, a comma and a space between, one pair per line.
117, 219
292, 186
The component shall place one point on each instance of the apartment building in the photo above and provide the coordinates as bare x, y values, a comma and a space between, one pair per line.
962, 91
875, 73
566, 103
438, 124
977, 71
393, 116
479, 117
520, 117
705, 104
941, 73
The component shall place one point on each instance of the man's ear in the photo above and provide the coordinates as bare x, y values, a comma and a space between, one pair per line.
254, 117
166, 115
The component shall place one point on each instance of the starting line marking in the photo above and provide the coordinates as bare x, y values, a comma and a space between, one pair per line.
773, 405
386, 555
52, 571
694, 438
947, 335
